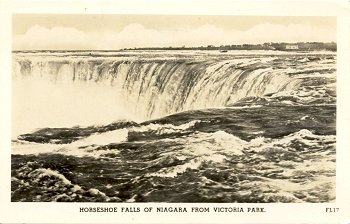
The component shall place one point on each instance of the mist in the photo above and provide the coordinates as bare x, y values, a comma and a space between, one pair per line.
40, 103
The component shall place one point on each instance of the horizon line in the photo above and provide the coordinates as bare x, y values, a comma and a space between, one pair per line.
176, 47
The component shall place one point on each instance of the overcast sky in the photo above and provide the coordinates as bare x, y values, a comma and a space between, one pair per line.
110, 32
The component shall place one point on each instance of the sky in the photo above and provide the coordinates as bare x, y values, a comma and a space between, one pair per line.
113, 32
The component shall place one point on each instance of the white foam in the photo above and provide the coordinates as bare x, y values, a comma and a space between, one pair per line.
174, 171
215, 147
305, 136
96, 192
164, 128
199, 148
104, 138
41, 172
89, 144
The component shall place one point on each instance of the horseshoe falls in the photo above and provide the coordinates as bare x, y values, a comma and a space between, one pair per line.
173, 126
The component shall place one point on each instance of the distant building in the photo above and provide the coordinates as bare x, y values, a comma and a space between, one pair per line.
292, 47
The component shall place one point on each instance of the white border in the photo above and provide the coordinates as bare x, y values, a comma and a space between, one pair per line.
276, 213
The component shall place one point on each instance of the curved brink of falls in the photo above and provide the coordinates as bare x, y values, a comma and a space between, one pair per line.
157, 87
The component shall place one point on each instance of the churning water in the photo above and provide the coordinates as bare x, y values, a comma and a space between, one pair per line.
173, 126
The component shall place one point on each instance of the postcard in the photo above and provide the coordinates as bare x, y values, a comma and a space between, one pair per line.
175, 112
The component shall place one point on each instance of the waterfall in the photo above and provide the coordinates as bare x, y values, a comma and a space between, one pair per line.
154, 87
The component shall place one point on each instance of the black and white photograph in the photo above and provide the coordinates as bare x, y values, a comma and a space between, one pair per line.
174, 111
167, 108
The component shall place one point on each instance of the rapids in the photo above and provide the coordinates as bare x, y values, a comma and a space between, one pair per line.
172, 126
